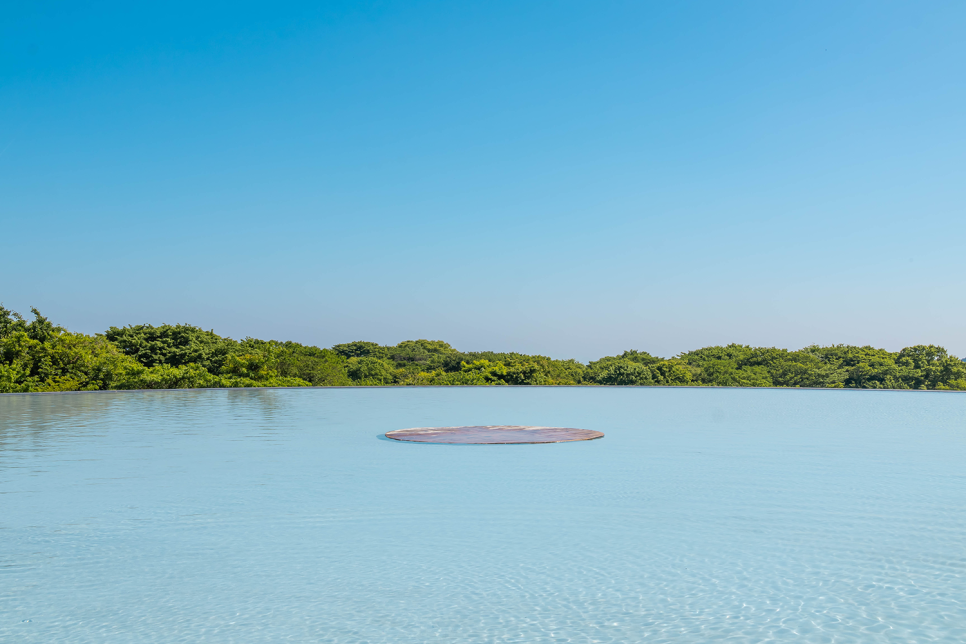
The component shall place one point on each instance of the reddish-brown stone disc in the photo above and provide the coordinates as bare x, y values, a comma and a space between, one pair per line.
493, 434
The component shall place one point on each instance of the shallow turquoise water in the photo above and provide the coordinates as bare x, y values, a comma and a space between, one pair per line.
279, 515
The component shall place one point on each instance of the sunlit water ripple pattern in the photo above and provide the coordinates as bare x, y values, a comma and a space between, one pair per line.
280, 516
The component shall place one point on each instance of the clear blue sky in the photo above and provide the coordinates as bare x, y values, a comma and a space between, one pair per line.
572, 179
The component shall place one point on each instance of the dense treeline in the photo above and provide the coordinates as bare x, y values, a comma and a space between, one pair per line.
40, 356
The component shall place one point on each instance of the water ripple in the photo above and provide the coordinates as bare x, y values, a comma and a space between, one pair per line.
268, 516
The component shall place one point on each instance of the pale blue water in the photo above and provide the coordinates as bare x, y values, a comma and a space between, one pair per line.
279, 516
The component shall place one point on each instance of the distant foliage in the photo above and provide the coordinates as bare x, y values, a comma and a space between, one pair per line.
361, 349
37, 355
312, 365
919, 367
173, 345
370, 371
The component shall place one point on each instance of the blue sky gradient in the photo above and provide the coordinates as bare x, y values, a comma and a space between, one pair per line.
571, 179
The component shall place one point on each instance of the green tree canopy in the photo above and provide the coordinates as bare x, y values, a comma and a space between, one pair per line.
360, 349
173, 345
38, 355
370, 371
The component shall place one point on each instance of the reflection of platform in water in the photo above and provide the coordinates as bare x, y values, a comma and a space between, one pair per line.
493, 434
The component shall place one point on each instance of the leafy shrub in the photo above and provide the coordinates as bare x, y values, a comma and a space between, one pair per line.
370, 371
40, 356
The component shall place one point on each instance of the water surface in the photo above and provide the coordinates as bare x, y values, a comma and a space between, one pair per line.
280, 516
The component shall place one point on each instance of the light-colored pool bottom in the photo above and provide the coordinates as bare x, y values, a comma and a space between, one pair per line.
280, 516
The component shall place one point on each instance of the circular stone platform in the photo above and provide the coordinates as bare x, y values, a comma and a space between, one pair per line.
493, 434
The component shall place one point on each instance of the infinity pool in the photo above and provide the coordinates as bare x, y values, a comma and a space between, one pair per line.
283, 516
